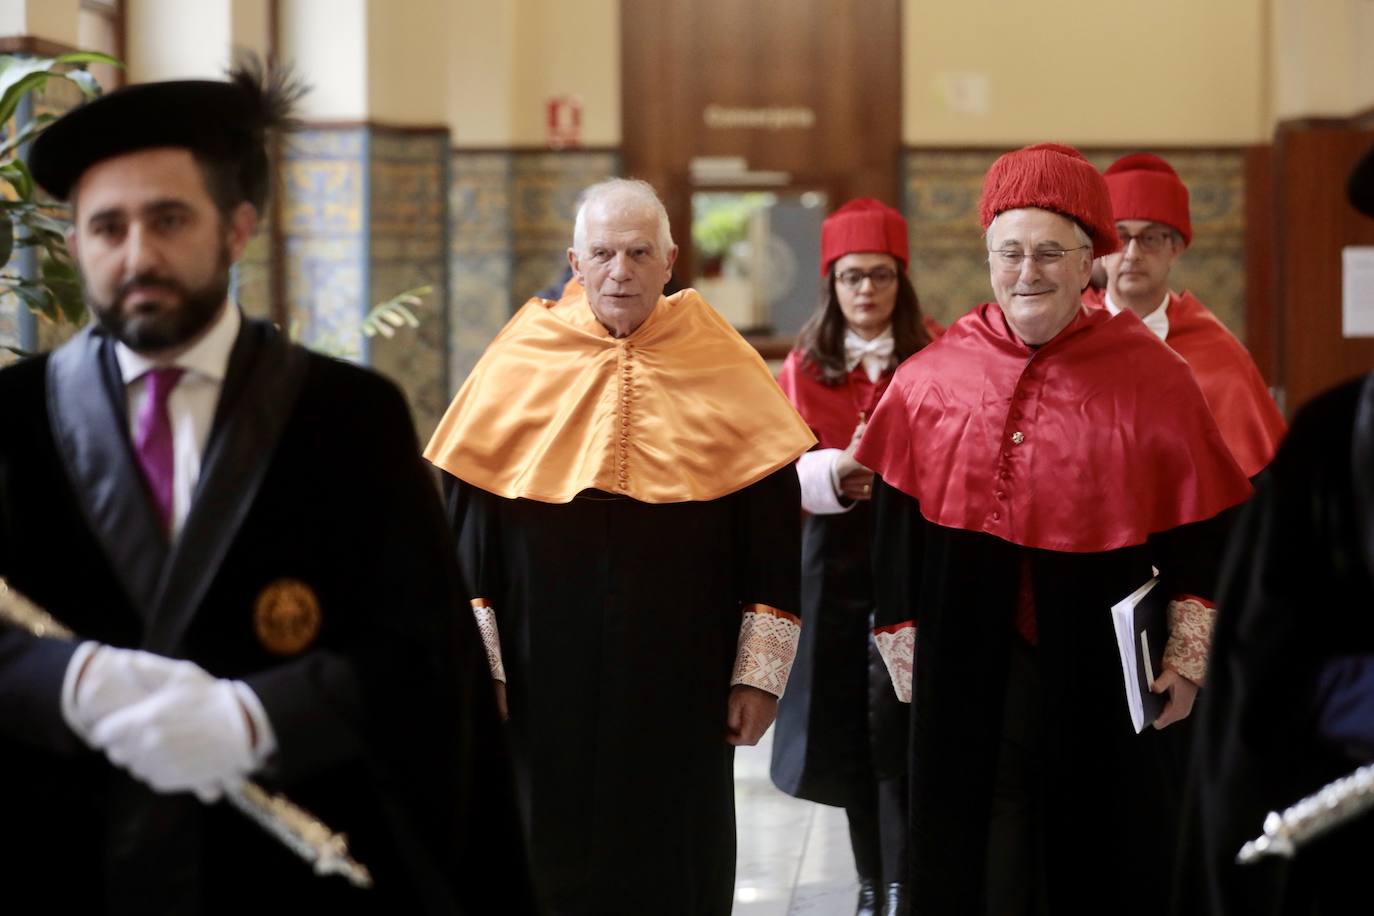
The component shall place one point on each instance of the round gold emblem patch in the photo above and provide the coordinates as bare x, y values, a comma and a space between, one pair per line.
286, 616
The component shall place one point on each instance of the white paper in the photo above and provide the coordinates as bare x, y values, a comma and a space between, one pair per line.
1123, 621
1357, 291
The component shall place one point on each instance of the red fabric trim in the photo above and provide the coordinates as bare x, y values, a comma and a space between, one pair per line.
1094, 441
1210, 605
772, 612
1249, 419
832, 411
896, 627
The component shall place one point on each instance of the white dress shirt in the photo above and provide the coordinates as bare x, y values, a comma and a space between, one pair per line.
190, 405
1157, 321
191, 410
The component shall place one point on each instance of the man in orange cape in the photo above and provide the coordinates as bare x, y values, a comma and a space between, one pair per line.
620, 473
1035, 465
1150, 205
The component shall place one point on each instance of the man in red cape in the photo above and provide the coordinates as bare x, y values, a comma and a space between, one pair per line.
1036, 464
1150, 205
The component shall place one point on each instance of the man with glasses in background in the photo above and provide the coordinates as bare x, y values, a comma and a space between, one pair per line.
1150, 205
1033, 465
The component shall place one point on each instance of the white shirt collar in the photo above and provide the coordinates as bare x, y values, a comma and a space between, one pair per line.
1157, 321
209, 356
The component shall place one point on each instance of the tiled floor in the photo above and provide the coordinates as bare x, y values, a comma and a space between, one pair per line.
794, 856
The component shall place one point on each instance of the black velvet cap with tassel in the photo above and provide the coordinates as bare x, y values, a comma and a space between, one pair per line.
225, 122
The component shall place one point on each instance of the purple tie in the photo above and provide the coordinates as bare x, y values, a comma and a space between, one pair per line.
154, 441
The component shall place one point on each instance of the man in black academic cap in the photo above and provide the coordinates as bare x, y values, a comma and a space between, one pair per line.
246, 539
1290, 703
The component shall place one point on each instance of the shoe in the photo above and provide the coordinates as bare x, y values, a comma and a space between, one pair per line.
868, 899
898, 903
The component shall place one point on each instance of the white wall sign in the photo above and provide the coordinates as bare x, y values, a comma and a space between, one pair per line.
1357, 291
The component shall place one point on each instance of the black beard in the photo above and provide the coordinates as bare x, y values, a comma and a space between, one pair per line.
172, 327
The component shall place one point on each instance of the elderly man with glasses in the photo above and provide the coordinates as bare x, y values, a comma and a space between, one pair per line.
1150, 205
1035, 465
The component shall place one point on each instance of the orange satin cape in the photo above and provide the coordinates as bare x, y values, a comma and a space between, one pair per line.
1093, 441
681, 410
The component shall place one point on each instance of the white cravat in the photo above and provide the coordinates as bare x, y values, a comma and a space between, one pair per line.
191, 404
1157, 321
875, 354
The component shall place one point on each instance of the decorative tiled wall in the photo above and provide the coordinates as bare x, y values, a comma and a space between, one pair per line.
408, 232
511, 214
949, 263
365, 219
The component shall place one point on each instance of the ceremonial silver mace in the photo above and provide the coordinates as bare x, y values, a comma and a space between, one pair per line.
1329, 807
299, 830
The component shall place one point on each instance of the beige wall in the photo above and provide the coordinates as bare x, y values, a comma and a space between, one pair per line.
1185, 72
250, 25
480, 98
1323, 57
173, 39
511, 58
408, 48
1085, 72
53, 20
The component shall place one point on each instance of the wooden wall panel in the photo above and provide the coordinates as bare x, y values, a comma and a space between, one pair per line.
841, 59
1313, 223
1261, 274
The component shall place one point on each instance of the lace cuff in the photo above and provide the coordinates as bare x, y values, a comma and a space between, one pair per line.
767, 645
1190, 637
485, 615
897, 646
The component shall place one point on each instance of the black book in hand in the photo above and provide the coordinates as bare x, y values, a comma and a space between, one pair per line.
1142, 627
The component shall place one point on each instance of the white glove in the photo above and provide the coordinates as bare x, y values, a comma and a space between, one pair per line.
113, 679
190, 735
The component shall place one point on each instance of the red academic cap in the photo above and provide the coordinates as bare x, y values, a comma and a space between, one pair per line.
863, 224
1144, 186
1050, 176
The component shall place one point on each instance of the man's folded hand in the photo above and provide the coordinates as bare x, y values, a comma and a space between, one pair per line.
193, 735
101, 680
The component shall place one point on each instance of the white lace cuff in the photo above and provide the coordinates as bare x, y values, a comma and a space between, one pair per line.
897, 646
767, 645
819, 486
1190, 637
485, 615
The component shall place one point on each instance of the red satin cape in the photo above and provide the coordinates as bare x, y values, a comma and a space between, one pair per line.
1091, 442
1249, 419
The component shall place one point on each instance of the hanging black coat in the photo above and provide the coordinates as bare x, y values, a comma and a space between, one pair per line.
1297, 593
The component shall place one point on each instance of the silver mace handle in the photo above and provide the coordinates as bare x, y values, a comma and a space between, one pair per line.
294, 827
1326, 809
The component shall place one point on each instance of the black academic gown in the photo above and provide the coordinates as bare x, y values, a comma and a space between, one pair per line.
385, 724
824, 748
1108, 798
619, 623
1297, 592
